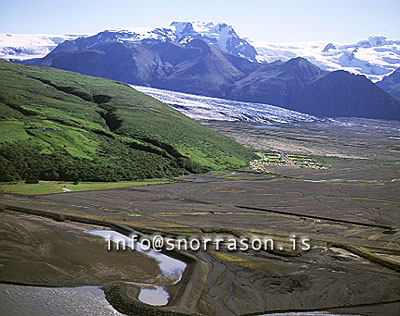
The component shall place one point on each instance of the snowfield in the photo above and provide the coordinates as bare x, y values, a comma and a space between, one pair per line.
27, 46
374, 58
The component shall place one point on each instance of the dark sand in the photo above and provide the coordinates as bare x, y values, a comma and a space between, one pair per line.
362, 215
40, 251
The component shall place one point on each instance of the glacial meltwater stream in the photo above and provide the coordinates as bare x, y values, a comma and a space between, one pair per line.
25, 300
87, 300
172, 268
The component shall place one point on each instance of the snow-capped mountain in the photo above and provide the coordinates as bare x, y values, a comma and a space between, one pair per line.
197, 67
374, 58
221, 36
27, 46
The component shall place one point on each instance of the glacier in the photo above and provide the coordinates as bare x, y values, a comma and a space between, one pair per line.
375, 57
28, 46
206, 108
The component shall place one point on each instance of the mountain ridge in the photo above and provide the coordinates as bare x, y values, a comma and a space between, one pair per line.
375, 57
337, 88
199, 68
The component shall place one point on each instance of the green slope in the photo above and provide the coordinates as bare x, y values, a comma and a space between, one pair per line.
59, 125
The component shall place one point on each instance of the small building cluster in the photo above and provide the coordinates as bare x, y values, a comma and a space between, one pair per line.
258, 166
285, 160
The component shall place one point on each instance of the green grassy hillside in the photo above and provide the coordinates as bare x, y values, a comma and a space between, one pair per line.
58, 125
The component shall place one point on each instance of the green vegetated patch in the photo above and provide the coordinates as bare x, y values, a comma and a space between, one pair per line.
227, 257
232, 258
59, 125
48, 187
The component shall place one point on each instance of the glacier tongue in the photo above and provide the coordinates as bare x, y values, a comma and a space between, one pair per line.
207, 108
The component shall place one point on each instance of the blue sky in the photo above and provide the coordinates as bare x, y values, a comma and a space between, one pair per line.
279, 20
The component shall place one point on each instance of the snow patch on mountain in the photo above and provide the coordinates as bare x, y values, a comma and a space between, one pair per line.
375, 58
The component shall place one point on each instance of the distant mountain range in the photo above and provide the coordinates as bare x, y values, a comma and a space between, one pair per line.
375, 57
212, 60
221, 35
193, 65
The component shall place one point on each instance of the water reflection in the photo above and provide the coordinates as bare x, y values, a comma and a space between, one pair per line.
156, 296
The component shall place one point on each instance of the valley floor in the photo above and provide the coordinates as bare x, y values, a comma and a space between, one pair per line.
49, 187
363, 215
342, 137
350, 212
